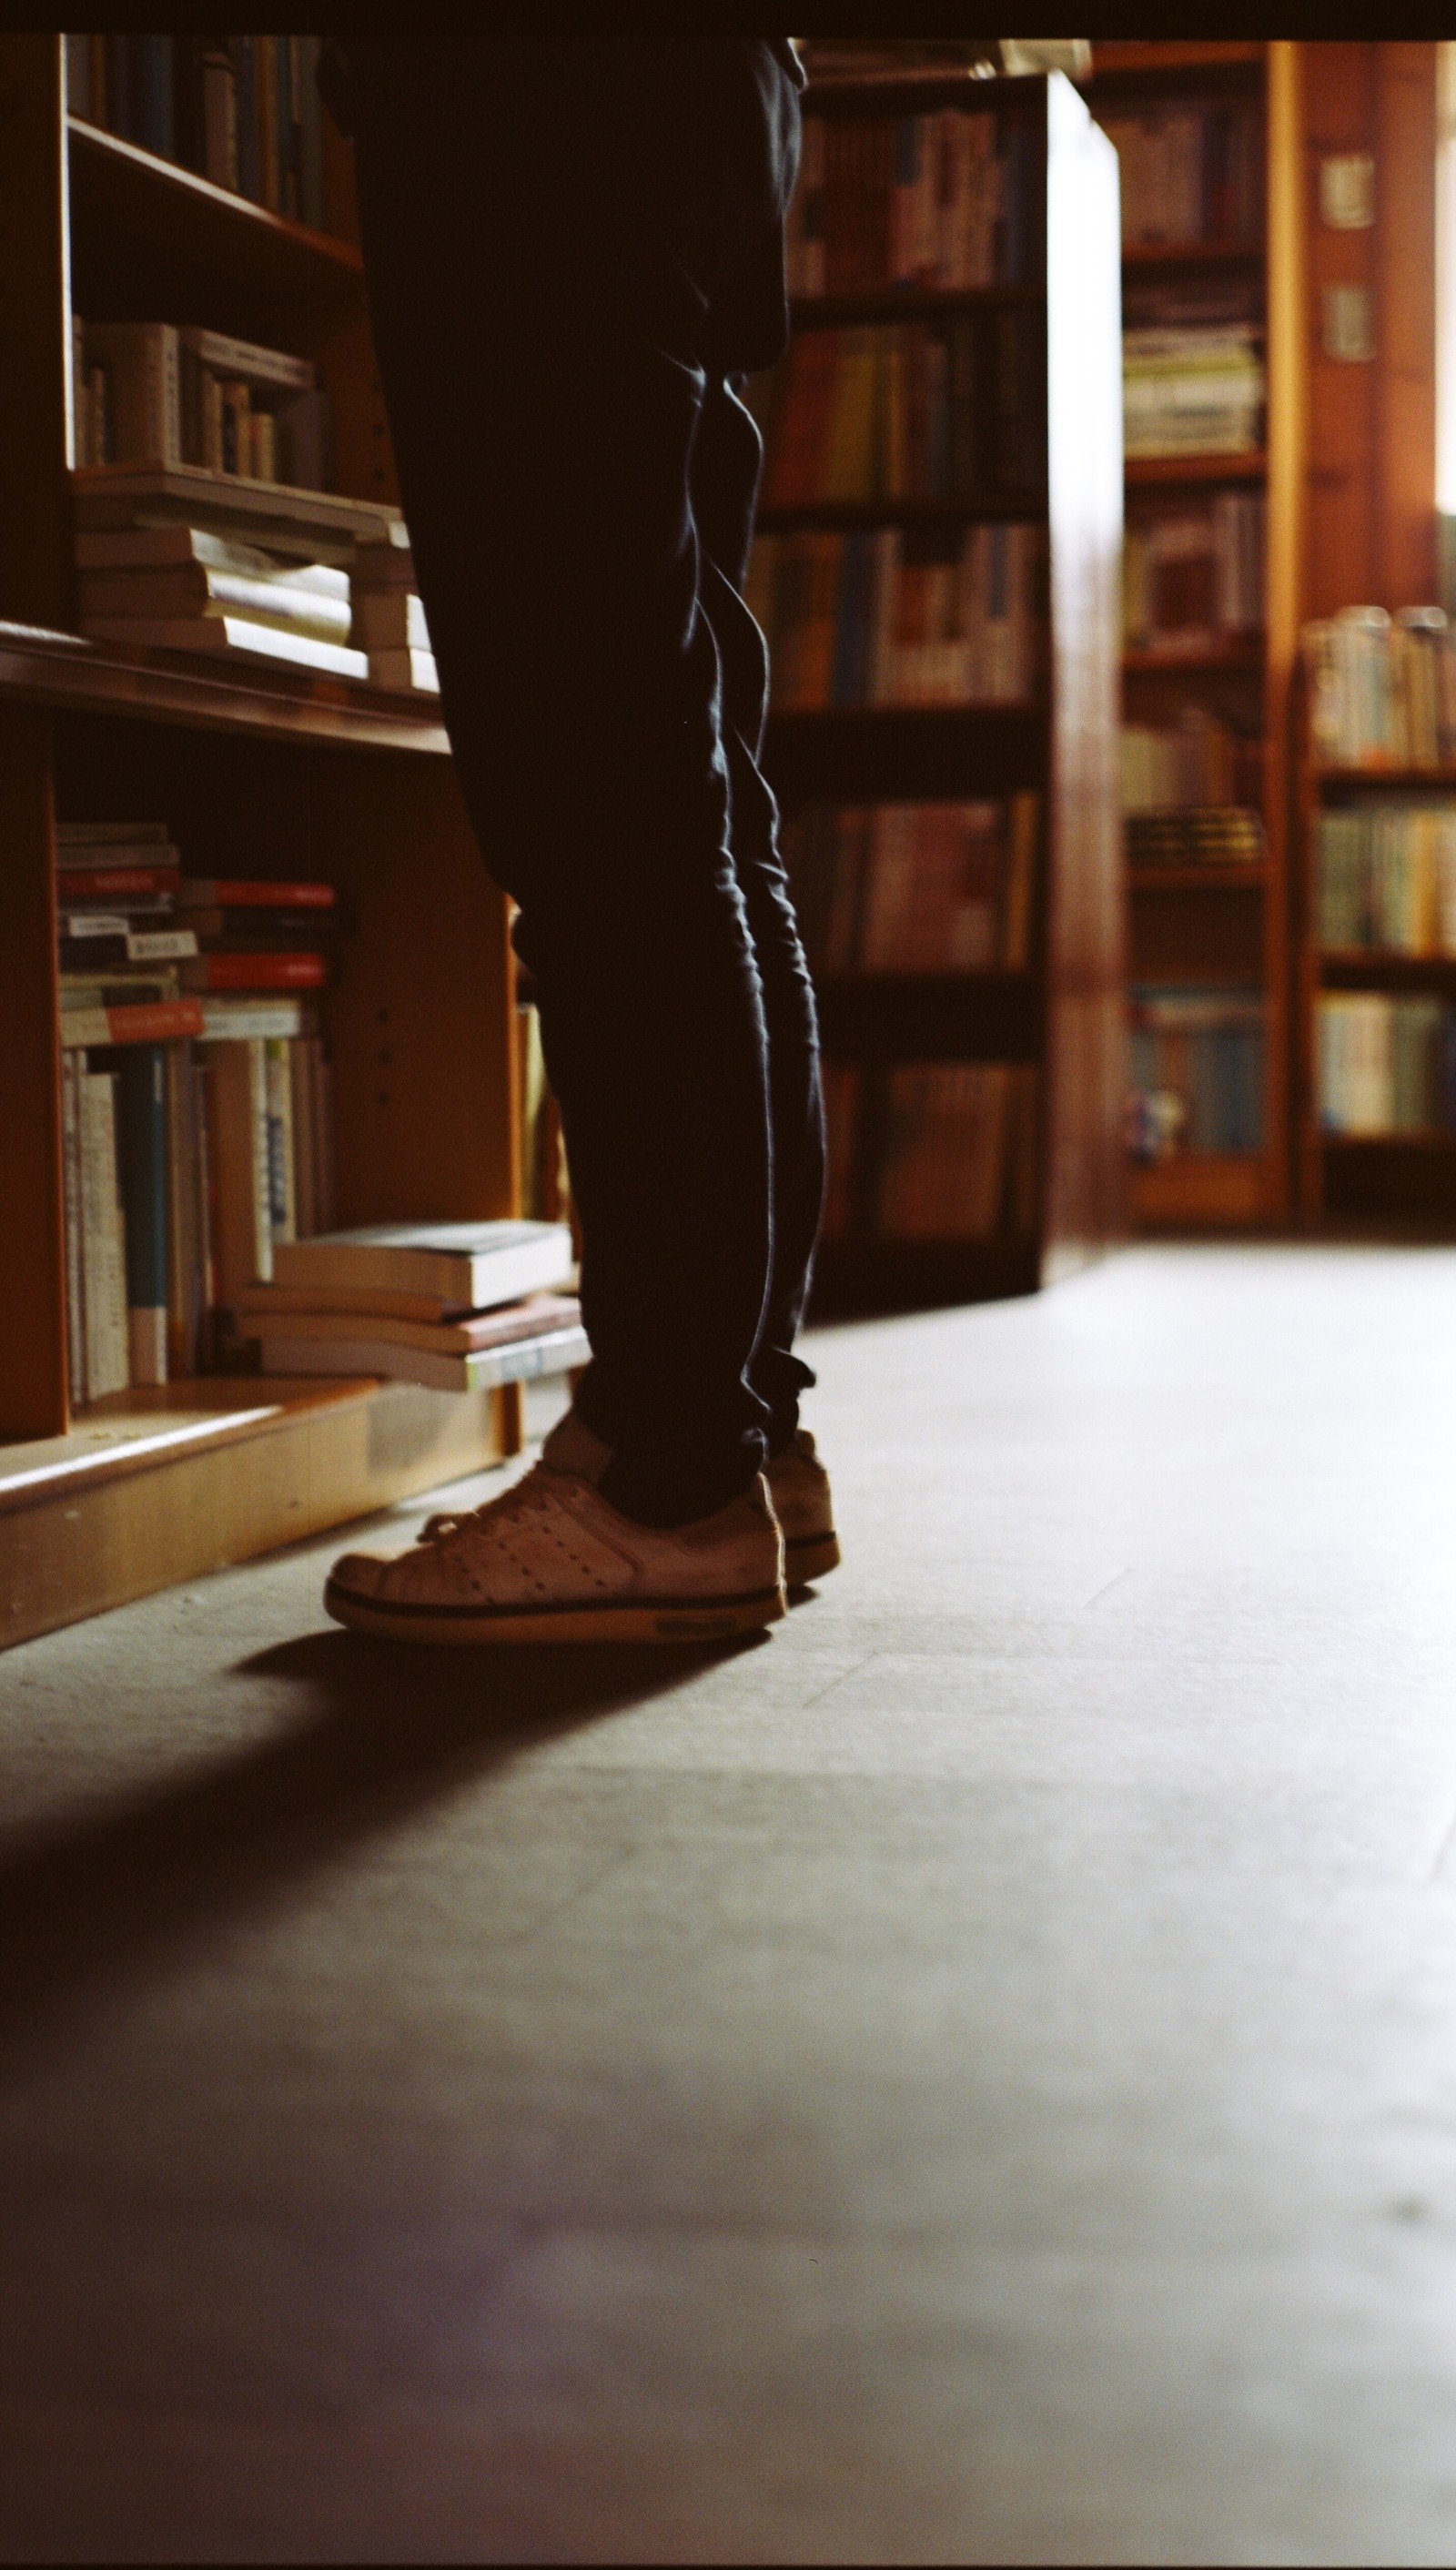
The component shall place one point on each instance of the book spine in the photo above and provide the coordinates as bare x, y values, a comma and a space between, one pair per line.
103, 1238
281, 1183
219, 117
78, 77
71, 1068
141, 1076
310, 135
244, 75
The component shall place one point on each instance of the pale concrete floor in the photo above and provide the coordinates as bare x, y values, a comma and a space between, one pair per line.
970, 2080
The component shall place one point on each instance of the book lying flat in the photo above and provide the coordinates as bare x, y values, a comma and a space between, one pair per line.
193, 591
471, 1266
323, 524
207, 892
472, 1331
241, 1019
112, 883
406, 669
297, 971
237, 634
519, 1360
138, 1022
175, 546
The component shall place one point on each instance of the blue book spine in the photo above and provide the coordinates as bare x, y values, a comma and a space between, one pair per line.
154, 121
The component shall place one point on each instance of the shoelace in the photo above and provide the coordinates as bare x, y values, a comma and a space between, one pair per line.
521, 1500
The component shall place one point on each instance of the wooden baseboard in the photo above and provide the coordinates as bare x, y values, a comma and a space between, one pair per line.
154, 1488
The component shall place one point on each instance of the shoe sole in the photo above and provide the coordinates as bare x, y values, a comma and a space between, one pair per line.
808, 1556
707, 1619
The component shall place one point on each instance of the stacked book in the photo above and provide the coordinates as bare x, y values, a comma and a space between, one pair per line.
896, 412
1194, 580
1197, 1071
1385, 878
1386, 1066
195, 1095
897, 617
185, 589
1382, 688
915, 887
149, 392
1198, 389
459, 1307
388, 618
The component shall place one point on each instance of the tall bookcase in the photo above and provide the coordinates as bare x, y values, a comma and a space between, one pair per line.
1061, 1014
256, 776
1205, 925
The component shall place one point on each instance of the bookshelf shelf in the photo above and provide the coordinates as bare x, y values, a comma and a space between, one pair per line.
252, 774
1054, 1027
906, 304
1358, 971
1347, 780
854, 514
1143, 260
933, 1016
63, 671
1174, 59
1186, 664
1144, 470
1235, 878
1201, 1191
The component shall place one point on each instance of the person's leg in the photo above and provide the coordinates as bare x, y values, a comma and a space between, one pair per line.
725, 466
546, 226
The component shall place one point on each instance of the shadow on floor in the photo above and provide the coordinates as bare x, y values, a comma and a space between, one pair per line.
391, 1728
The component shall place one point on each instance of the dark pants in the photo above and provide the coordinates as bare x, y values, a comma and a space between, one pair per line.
574, 245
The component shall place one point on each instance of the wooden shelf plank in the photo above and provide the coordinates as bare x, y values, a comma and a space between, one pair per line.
1201, 1190
1195, 468
157, 1486
139, 221
933, 1016
906, 303
851, 514
64, 671
1358, 969
1154, 256
1340, 780
1229, 877
1114, 56
1349, 1145
1180, 665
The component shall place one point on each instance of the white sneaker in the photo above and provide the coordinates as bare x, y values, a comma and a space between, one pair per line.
552, 1561
798, 1487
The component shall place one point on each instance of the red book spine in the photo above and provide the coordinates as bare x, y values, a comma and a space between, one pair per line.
259, 895
258, 972
96, 883
154, 1021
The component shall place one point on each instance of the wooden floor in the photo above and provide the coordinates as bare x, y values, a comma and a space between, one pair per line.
971, 2078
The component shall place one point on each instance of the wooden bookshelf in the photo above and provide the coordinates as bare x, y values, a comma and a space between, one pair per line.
1177, 931
1061, 1015
255, 773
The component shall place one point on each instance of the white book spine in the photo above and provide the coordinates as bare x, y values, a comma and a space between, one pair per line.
103, 1238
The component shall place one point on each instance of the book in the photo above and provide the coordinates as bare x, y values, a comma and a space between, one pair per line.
73, 1066
144, 377
103, 1238
1198, 1069
253, 972
236, 893
128, 883
1385, 1066
522, 1360
319, 526
237, 635
129, 1021
405, 670
391, 620
240, 1208
265, 1307
141, 1109
290, 601
238, 1019
471, 1265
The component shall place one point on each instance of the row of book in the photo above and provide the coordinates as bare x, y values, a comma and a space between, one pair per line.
154, 392
1197, 835
943, 202
932, 1152
1382, 688
915, 887
899, 617
1199, 762
1385, 878
1193, 389
1197, 1070
185, 1164
1385, 1066
905, 410
1195, 577
243, 110
1192, 174
183, 587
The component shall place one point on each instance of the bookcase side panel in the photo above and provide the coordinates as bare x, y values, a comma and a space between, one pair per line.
35, 510
1287, 447
33, 1400
421, 1020
1085, 1075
